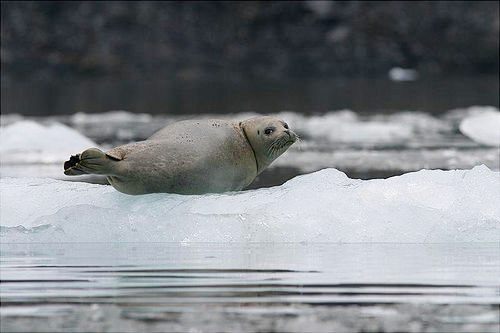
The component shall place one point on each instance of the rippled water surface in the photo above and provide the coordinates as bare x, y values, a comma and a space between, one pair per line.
250, 287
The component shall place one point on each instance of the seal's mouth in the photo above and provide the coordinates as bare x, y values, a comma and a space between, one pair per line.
289, 139
282, 143
292, 137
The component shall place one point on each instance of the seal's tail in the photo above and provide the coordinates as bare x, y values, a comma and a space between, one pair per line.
92, 161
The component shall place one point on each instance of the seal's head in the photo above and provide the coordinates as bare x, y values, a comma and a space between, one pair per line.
269, 137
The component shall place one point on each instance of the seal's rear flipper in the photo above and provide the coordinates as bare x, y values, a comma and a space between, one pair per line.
92, 161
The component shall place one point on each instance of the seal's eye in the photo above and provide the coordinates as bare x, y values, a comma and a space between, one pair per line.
269, 130
285, 125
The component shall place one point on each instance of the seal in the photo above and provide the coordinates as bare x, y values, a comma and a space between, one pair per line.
190, 157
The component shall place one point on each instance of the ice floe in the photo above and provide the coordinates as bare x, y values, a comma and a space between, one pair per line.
27, 141
360, 160
353, 142
402, 74
325, 206
118, 116
341, 127
482, 125
348, 127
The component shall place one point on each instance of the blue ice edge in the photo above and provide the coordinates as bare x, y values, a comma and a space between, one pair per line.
428, 206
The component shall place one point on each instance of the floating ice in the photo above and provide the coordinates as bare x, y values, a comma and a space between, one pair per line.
348, 127
122, 125
29, 142
482, 126
343, 126
360, 160
336, 127
402, 141
118, 116
403, 74
326, 206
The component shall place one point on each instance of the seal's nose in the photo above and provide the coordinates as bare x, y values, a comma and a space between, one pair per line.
291, 134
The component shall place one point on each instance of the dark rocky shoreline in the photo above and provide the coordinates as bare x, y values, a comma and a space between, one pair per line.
235, 40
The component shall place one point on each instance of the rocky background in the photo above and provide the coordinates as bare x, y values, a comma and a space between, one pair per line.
234, 40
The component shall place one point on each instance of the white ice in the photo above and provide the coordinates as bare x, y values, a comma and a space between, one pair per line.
27, 141
482, 125
307, 160
117, 116
326, 206
402, 74
335, 127
347, 126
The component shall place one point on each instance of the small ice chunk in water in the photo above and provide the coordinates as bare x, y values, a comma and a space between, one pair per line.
27, 141
117, 116
483, 126
403, 74
346, 126
325, 206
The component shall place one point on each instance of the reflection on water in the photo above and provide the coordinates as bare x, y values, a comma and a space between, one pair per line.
186, 97
250, 287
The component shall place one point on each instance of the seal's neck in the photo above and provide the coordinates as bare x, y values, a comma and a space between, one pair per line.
260, 162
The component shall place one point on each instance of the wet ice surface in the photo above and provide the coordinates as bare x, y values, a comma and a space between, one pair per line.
143, 287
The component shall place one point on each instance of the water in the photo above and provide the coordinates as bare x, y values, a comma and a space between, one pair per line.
250, 287
178, 97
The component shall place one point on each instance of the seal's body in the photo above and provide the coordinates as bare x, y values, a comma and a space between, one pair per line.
190, 157
186, 157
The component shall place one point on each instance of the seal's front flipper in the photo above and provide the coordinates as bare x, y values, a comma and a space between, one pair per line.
92, 161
